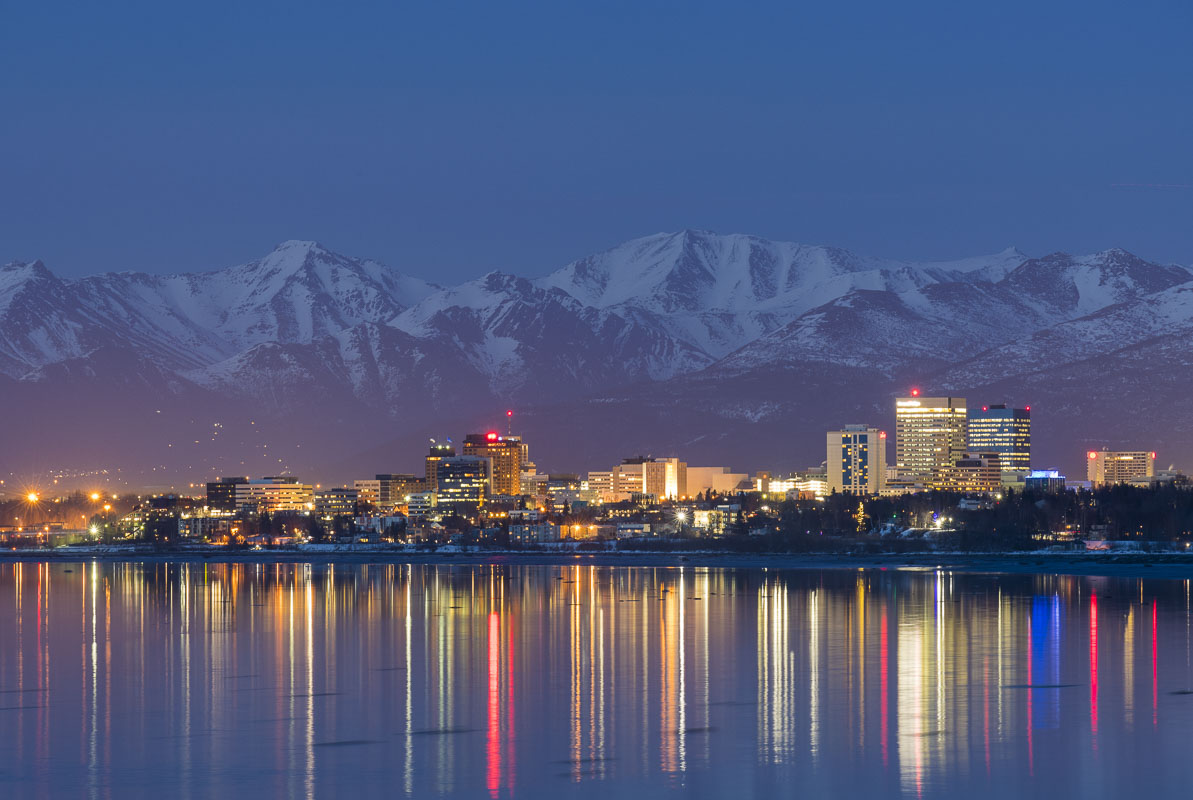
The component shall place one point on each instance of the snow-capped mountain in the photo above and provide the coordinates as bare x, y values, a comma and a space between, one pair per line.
651, 339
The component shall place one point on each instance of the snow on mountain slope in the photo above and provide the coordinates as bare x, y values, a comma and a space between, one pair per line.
1121, 328
297, 293
317, 335
718, 293
1076, 286
518, 333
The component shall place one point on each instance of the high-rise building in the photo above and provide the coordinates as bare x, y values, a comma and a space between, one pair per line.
462, 482
1108, 467
856, 460
1002, 430
507, 454
438, 452
931, 433
221, 493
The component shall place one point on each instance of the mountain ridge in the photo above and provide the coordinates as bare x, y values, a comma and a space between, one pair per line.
691, 317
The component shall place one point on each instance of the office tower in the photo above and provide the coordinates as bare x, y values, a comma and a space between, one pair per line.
856, 460
1002, 430
462, 482
931, 433
507, 454
221, 493
438, 452
1108, 467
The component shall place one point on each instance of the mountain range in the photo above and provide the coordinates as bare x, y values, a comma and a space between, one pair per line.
726, 349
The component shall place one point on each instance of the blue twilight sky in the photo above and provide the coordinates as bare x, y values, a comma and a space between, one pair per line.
451, 138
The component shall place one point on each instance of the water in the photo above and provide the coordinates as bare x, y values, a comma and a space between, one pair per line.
244, 680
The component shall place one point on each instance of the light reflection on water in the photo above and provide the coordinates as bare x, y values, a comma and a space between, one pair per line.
246, 680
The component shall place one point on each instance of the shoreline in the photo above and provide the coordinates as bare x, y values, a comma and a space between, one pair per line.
1167, 566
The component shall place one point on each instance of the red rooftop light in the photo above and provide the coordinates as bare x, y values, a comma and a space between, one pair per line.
1093, 454
491, 436
915, 392
509, 413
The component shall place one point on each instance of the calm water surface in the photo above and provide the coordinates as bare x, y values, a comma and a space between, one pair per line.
243, 680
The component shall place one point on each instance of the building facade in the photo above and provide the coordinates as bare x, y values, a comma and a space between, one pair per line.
462, 483
438, 452
274, 494
1002, 430
221, 493
1109, 467
977, 473
1044, 480
931, 433
336, 502
506, 454
856, 460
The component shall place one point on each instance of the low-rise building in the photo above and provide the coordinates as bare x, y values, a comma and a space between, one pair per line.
536, 533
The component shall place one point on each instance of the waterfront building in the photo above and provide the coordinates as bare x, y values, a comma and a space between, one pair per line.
522, 533
1002, 430
931, 434
506, 454
1109, 467
856, 460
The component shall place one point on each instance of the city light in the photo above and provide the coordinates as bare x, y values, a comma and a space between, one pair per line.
31, 497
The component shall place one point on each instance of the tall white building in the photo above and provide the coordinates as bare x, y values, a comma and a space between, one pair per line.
856, 460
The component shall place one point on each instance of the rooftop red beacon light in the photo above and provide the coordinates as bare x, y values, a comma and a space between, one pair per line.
882, 434
915, 392
491, 436
1092, 454
1153, 455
